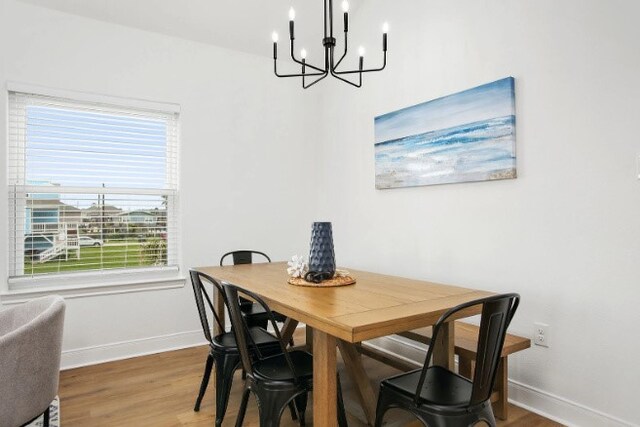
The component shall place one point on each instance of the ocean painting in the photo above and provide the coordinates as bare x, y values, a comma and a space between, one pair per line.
467, 136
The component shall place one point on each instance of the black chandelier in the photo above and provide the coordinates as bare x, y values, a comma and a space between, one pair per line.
329, 42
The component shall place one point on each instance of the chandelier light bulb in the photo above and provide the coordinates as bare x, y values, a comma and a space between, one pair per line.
292, 14
345, 6
385, 27
303, 53
274, 37
361, 51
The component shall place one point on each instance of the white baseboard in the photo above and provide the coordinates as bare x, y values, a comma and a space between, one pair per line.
93, 355
556, 408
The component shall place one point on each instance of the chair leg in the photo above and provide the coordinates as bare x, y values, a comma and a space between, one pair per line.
294, 411
243, 407
383, 405
462, 420
271, 405
225, 367
301, 405
45, 417
487, 415
205, 381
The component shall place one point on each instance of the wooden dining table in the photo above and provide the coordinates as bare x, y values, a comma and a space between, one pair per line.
376, 305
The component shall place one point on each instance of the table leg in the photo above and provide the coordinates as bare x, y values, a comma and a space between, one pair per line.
308, 330
501, 407
288, 329
325, 404
444, 347
353, 364
466, 367
220, 311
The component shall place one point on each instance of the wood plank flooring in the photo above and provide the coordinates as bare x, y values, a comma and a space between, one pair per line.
160, 390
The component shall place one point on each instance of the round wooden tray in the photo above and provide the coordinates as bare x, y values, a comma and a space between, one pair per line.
331, 283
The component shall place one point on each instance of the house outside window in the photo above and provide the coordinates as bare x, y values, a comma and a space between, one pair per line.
92, 189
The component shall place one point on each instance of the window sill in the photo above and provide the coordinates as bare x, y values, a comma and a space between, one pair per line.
17, 296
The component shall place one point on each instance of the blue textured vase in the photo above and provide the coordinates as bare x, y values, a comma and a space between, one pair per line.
321, 256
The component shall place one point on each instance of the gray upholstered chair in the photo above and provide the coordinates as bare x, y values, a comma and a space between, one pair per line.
30, 346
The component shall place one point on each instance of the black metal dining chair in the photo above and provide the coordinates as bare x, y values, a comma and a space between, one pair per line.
275, 380
223, 348
441, 398
253, 313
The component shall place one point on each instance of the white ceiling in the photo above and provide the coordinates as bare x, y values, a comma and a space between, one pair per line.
244, 25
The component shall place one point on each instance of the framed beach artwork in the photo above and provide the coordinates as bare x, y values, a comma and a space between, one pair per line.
467, 136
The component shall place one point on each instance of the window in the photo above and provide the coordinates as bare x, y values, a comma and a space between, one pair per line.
92, 188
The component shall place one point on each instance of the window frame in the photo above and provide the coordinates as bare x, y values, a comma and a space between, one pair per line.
90, 282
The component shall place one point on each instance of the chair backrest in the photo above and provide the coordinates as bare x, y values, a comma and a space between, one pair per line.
31, 346
243, 257
240, 329
204, 302
497, 312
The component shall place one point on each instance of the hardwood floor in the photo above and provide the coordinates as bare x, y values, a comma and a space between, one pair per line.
160, 390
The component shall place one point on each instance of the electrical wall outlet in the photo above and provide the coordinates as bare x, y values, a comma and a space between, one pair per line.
541, 334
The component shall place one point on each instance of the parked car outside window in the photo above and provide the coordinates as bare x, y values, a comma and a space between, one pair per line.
89, 241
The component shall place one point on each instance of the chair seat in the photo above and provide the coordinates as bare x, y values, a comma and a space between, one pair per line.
441, 387
259, 336
258, 314
276, 368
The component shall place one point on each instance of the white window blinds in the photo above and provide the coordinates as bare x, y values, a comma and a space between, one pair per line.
92, 187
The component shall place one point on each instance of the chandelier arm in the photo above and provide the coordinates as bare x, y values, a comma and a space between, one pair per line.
299, 75
332, 68
306, 63
275, 71
314, 82
333, 73
345, 51
359, 84
369, 70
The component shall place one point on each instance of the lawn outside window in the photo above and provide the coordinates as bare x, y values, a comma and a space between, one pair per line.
93, 191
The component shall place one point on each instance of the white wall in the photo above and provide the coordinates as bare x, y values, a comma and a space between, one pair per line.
244, 155
565, 234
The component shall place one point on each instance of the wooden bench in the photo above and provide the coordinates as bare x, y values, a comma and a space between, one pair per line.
466, 344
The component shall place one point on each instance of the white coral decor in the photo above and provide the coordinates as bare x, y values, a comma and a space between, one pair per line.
298, 266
